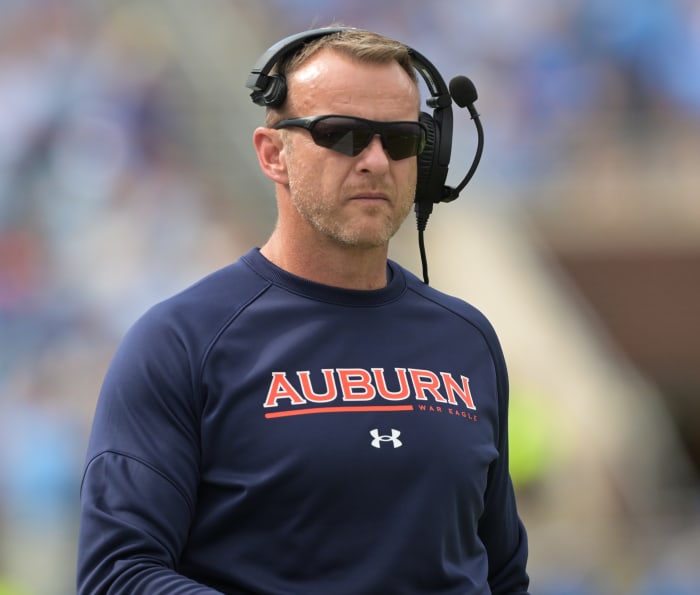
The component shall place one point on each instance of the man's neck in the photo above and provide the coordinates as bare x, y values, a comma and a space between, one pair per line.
348, 267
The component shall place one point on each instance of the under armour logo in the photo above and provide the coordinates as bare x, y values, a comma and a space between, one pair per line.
379, 438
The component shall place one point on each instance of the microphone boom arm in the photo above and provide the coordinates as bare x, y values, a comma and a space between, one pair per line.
453, 193
464, 94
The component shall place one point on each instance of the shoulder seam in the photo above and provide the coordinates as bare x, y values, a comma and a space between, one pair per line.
222, 328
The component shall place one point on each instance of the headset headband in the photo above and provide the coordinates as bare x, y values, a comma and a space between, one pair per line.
259, 78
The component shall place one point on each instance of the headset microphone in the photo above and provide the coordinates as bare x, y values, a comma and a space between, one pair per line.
463, 93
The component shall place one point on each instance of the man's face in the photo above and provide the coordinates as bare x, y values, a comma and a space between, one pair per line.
356, 201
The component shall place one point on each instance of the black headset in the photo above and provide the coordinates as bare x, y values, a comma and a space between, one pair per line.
270, 90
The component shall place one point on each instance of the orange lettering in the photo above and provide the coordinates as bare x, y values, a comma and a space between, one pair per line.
356, 384
453, 389
308, 391
425, 380
280, 388
404, 390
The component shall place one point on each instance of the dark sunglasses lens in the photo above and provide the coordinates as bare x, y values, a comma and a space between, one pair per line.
402, 140
350, 136
345, 135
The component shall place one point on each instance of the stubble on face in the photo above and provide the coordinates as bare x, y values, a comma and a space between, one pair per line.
351, 225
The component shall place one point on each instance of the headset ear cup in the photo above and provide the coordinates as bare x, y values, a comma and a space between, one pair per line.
426, 186
276, 91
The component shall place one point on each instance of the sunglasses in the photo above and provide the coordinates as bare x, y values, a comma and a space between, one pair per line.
350, 136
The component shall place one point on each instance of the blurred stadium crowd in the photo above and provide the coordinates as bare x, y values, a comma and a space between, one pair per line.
126, 172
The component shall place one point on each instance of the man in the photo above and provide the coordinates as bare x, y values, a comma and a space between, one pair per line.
312, 419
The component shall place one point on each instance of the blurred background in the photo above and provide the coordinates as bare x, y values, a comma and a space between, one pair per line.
127, 172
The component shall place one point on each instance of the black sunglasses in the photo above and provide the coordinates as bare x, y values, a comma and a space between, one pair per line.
350, 136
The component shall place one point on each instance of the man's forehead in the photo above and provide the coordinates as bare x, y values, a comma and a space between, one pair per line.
325, 65
331, 80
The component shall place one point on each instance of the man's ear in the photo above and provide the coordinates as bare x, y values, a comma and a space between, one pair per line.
271, 154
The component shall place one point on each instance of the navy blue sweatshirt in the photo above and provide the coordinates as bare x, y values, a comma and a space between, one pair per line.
261, 433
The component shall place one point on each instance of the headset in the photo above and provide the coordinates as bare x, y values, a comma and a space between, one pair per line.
270, 90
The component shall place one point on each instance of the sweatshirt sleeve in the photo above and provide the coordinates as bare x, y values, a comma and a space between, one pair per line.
140, 482
500, 527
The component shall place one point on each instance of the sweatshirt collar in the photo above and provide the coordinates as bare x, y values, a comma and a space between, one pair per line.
396, 284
